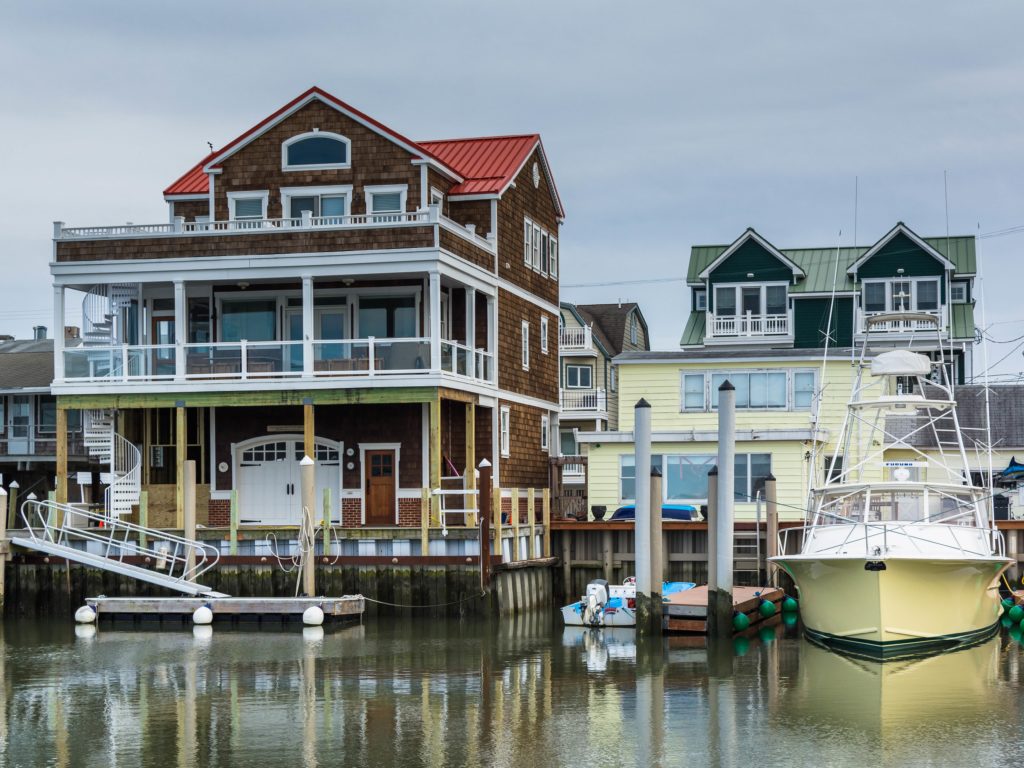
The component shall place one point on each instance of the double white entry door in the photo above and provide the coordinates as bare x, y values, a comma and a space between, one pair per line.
269, 483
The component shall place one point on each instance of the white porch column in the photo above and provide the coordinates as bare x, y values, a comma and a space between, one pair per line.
180, 334
307, 325
58, 333
492, 334
471, 329
434, 316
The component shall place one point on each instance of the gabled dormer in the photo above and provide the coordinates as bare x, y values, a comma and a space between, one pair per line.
744, 291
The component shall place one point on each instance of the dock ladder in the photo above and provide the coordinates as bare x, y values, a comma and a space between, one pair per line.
107, 542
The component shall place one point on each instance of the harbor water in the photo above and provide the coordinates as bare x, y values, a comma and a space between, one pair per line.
522, 692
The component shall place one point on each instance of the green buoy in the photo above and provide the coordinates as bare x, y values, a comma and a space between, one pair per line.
1005, 621
1007, 603
789, 605
767, 609
1015, 614
740, 622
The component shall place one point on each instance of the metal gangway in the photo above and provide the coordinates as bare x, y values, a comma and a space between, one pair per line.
107, 542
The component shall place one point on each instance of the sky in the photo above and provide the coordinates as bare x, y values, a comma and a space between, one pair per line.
667, 124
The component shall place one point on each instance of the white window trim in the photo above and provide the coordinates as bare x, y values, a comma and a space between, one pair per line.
553, 257
287, 193
581, 366
363, 448
317, 166
528, 242
738, 288
544, 334
436, 197
545, 427
535, 265
888, 281
505, 430
708, 375
634, 330
953, 286
262, 194
525, 343
385, 189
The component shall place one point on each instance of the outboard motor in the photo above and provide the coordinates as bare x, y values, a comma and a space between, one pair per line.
594, 602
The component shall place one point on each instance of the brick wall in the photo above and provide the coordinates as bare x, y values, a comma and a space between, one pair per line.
409, 512
220, 513
351, 512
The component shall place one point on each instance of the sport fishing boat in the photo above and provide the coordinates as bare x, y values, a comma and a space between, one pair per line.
614, 606
898, 558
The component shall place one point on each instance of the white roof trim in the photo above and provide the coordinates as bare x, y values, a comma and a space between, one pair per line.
900, 228
204, 196
538, 144
750, 234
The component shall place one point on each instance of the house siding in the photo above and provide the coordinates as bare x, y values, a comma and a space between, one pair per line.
748, 258
541, 381
810, 316
526, 466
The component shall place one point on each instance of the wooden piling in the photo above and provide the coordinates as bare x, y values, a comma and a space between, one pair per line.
546, 506
12, 504
499, 547
424, 522
143, 517
189, 513
531, 519
326, 522
233, 522
772, 543
62, 454
181, 441
515, 525
606, 555
307, 482
485, 524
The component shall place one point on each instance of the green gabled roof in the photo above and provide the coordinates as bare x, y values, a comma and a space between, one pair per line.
819, 263
961, 321
693, 334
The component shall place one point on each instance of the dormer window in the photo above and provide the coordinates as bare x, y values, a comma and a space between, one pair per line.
700, 300
316, 150
908, 294
750, 299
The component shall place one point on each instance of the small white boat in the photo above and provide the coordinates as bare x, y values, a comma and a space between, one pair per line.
612, 606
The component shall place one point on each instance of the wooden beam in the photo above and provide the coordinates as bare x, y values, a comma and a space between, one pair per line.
243, 397
471, 461
181, 441
308, 430
457, 395
62, 457
435, 458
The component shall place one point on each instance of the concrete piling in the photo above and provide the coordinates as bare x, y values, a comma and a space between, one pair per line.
720, 599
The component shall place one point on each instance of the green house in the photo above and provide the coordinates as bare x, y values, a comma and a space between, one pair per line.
751, 294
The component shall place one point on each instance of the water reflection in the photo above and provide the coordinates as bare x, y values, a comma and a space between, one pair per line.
508, 693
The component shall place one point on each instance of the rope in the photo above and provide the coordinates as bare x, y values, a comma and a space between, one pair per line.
483, 593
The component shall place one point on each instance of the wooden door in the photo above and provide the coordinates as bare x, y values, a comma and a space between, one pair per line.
379, 470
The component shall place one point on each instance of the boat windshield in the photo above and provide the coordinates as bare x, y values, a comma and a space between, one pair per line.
918, 504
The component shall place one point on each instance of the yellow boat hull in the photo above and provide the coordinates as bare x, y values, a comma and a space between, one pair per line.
899, 606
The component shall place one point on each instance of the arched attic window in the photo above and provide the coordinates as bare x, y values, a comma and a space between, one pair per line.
315, 150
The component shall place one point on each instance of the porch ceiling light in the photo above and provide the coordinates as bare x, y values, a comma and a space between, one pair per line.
243, 284
750, 275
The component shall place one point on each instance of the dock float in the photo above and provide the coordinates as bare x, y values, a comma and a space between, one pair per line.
687, 611
278, 610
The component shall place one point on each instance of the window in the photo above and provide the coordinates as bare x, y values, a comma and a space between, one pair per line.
436, 197
833, 473
579, 376
928, 295
793, 390
526, 346
505, 431
544, 253
633, 330
751, 470
752, 299
544, 427
527, 242
3, 415
803, 390
685, 476
387, 317
567, 443
627, 475
613, 378
249, 319
544, 334
536, 248
47, 414
900, 295
553, 258
693, 391
700, 300
386, 203
874, 297
958, 292
316, 149
903, 295
328, 202
243, 206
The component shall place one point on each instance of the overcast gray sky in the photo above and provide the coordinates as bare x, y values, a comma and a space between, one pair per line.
667, 124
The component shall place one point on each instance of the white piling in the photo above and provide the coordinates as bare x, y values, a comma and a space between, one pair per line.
720, 600
642, 474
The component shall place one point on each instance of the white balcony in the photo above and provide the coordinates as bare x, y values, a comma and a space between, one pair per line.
749, 326
915, 322
577, 339
585, 400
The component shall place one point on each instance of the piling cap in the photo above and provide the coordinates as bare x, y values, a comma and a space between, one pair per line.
770, 476
306, 461
655, 472
726, 385
713, 471
484, 463
641, 403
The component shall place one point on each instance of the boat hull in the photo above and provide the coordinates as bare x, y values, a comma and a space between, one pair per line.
896, 607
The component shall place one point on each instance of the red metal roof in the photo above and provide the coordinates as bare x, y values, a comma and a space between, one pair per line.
487, 164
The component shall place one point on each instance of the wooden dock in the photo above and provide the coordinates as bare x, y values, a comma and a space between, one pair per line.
259, 609
688, 611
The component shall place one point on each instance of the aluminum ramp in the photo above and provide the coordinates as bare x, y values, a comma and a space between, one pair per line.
53, 528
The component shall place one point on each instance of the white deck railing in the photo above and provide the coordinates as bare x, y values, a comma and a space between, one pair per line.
584, 400
574, 338
261, 360
912, 324
724, 326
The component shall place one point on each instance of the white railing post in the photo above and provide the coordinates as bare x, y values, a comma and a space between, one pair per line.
180, 319
178, 224
371, 362
435, 321
307, 325
243, 351
471, 331
307, 219
58, 325
124, 363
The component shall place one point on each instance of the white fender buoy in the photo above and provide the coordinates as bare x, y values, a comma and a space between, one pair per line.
85, 631
202, 631
313, 616
202, 615
85, 615
312, 634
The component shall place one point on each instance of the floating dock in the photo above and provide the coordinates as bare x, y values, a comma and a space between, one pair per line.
687, 611
276, 610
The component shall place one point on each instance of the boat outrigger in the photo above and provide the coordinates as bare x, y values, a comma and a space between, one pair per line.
612, 606
908, 563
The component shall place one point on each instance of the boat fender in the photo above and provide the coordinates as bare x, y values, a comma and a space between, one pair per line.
874, 565
740, 622
789, 605
1015, 614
